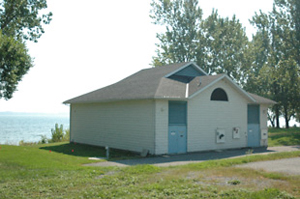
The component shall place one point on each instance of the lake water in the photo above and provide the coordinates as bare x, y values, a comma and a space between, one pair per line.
15, 127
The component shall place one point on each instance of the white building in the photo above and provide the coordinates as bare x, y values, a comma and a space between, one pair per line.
176, 108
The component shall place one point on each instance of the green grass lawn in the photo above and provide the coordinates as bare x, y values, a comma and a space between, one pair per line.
56, 171
284, 137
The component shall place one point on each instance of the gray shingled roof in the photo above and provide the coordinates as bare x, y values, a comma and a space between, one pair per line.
152, 83
261, 100
145, 84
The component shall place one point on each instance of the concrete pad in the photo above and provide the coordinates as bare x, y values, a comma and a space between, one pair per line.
181, 159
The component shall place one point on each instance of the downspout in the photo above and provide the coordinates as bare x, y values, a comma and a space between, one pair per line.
154, 116
70, 123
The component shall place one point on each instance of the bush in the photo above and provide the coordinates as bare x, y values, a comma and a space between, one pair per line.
66, 136
44, 139
59, 135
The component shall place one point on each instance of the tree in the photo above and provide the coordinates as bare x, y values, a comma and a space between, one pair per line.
14, 63
289, 88
288, 17
275, 54
224, 45
266, 54
216, 44
181, 19
20, 21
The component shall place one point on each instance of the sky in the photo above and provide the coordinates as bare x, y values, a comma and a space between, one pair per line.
92, 45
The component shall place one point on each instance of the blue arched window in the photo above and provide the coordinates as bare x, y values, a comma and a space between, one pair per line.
219, 95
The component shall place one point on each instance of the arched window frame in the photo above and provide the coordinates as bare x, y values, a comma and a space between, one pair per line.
219, 94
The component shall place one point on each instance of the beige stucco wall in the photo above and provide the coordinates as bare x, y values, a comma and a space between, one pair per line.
125, 125
205, 116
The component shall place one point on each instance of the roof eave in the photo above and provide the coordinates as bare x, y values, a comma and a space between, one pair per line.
107, 100
171, 98
263, 100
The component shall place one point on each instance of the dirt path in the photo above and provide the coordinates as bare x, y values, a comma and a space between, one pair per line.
289, 166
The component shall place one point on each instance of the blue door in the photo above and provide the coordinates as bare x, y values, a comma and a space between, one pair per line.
253, 126
177, 139
177, 135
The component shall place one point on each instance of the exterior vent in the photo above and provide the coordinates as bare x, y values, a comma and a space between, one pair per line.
236, 131
264, 134
220, 135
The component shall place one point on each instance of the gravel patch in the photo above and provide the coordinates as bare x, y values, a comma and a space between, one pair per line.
290, 166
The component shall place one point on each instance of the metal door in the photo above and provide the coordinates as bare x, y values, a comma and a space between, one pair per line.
177, 139
177, 127
253, 126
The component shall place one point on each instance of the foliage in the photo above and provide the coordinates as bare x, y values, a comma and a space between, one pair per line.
58, 134
44, 139
14, 63
181, 19
20, 20
35, 172
269, 65
224, 45
234, 182
284, 137
216, 44
275, 52
66, 136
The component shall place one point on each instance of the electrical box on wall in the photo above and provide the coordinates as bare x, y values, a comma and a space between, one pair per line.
264, 134
220, 135
236, 131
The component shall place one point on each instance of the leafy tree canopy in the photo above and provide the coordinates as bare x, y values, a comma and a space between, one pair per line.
181, 19
223, 45
20, 21
275, 56
269, 65
216, 44
14, 63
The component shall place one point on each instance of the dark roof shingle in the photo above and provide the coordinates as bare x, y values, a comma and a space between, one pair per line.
152, 83
261, 100
145, 84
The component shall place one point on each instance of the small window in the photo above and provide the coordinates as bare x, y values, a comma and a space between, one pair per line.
219, 95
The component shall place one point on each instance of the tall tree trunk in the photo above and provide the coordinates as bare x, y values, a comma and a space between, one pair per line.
277, 110
277, 116
286, 117
286, 122
271, 118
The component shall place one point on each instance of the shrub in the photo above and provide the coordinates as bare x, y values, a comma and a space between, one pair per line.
66, 136
59, 134
44, 140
